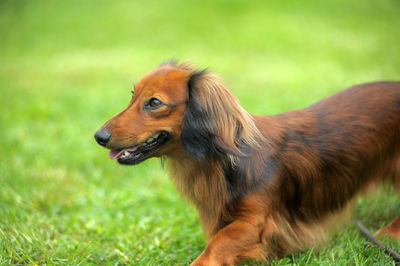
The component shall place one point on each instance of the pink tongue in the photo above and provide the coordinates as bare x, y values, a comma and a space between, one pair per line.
117, 153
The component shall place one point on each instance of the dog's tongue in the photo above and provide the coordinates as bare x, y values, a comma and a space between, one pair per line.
116, 153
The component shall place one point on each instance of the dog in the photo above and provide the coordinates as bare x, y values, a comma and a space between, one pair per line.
264, 186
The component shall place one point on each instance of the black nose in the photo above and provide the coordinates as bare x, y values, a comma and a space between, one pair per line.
102, 137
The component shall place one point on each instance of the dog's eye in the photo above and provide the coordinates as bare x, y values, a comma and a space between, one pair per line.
153, 103
133, 92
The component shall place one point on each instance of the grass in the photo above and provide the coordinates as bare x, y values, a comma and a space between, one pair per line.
67, 66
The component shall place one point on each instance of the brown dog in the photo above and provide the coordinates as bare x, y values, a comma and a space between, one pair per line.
264, 186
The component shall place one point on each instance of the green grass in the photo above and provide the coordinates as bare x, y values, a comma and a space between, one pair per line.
67, 66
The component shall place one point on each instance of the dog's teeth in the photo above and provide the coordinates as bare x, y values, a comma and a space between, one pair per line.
126, 153
150, 140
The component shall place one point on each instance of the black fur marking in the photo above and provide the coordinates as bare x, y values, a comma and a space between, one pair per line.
245, 176
240, 176
197, 138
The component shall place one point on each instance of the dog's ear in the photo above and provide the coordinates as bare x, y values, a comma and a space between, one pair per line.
197, 134
214, 123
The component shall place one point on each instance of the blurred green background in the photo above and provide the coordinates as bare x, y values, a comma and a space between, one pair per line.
68, 66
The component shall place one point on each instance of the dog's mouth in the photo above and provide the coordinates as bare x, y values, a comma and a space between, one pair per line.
142, 151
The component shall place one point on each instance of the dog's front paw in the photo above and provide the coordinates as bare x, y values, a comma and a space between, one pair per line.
203, 260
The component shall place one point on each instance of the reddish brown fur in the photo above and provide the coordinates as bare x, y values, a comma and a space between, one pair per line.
393, 229
265, 186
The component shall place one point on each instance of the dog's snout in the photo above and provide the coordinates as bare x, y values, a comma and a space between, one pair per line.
102, 137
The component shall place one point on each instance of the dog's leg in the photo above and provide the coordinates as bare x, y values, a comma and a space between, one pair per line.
230, 244
393, 229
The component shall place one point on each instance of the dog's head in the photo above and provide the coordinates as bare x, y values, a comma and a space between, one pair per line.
176, 109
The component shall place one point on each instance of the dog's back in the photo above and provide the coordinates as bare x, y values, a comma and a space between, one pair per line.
335, 148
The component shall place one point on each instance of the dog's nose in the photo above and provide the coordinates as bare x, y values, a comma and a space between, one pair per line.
102, 137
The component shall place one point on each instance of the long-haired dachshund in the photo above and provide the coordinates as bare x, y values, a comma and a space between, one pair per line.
264, 186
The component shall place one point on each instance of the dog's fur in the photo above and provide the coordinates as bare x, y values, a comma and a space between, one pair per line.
264, 186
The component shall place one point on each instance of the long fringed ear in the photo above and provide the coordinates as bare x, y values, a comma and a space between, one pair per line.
196, 136
214, 123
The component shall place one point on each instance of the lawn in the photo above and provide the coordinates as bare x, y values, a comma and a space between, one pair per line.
68, 66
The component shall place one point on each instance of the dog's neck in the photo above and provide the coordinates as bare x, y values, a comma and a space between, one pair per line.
204, 184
